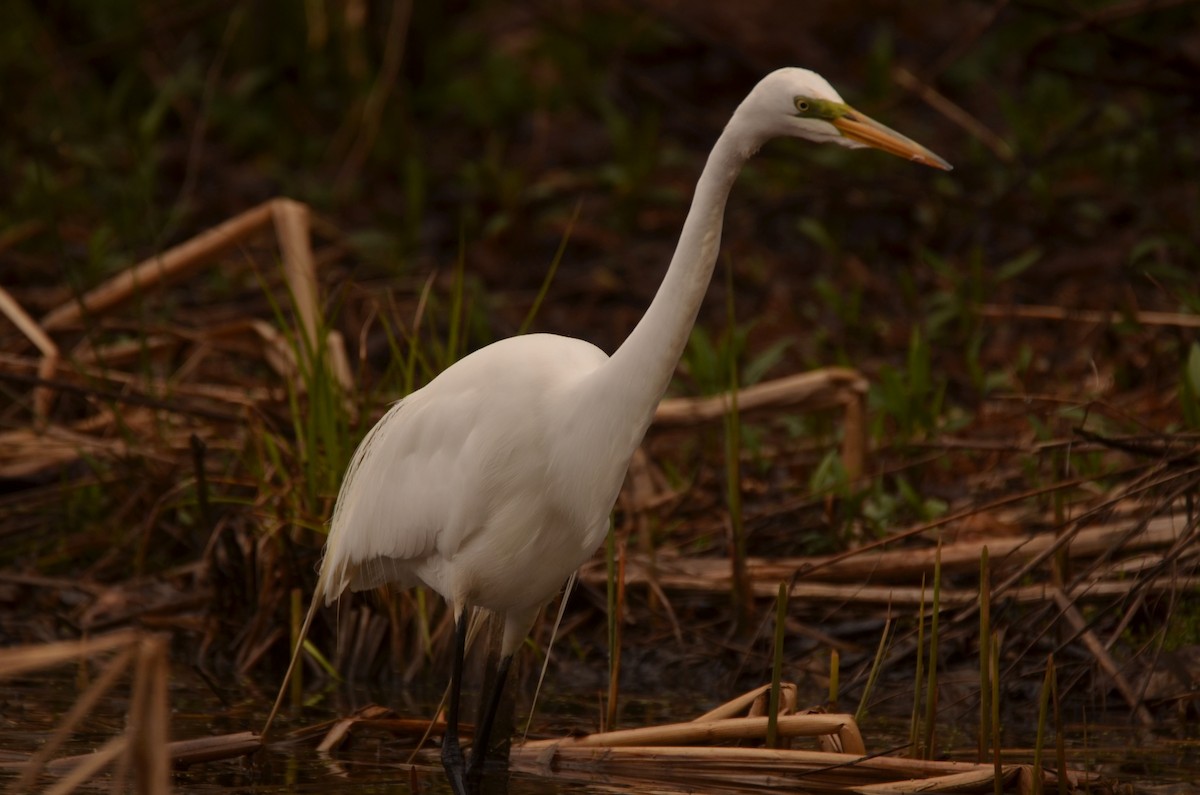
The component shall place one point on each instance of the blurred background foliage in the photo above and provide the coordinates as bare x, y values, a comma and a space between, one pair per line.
422, 129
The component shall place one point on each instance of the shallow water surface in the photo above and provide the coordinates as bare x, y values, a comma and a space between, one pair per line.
1166, 760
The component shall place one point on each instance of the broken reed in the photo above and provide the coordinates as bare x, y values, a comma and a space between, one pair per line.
835, 672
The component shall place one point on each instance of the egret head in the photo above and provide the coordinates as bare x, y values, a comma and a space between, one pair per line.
798, 103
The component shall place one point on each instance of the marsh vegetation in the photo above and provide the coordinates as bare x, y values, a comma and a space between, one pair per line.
233, 233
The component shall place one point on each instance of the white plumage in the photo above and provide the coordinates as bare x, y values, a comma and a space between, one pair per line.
499, 465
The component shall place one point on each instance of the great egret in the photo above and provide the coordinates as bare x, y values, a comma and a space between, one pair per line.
494, 482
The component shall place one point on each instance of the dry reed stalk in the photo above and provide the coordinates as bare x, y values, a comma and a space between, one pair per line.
291, 230
751, 702
1040, 593
91, 589
42, 395
289, 220
273, 347
854, 435
83, 378
90, 765
959, 557
124, 352
819, 592
336, 735
147, 724
646, 488
25, 452
23, 659
818, 389
28, 453
768, 769
171, 265
79, 710
182, 753
694, 732
1108, 317
185, 753
967, 781
1103, 658
830, 387
141, 750
963, 556
371, 716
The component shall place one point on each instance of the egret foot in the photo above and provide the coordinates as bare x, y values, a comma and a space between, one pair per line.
452, 761
479, 746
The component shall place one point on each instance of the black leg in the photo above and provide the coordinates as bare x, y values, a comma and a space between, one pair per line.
479, 745
452, 755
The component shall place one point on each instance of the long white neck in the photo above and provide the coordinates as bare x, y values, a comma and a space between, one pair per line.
641, 368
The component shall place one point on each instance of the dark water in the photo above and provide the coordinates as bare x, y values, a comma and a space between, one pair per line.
1166, 760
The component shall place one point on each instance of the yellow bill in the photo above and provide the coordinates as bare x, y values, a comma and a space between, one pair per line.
865, 130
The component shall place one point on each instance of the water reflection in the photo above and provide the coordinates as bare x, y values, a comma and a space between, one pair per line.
377, 762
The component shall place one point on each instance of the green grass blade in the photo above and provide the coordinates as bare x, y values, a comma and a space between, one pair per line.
985, 654
777, 667
876, 667
931, 689
554, 263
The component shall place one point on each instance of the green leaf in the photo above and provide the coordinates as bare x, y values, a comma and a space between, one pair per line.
1018, 265
815, 231
1193, 369
761, 364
